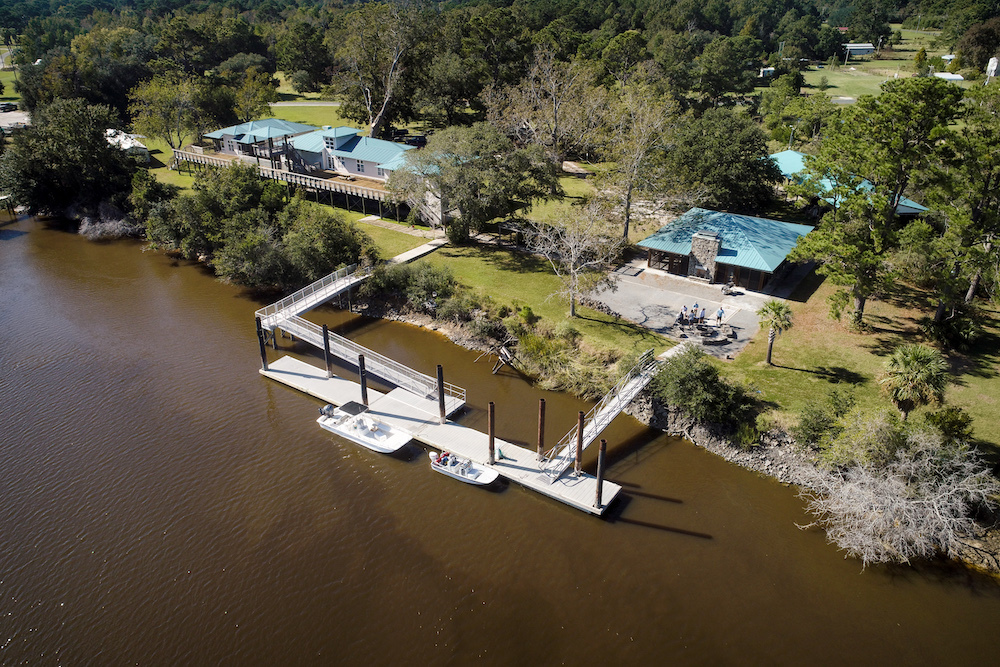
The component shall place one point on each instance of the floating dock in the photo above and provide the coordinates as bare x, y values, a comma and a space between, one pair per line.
419, 417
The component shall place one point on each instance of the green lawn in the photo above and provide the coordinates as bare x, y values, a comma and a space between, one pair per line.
315, 115
818, 353
390, 242
9, 94
514, 278
575, 187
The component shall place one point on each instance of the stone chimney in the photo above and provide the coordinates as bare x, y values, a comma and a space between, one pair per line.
704, 249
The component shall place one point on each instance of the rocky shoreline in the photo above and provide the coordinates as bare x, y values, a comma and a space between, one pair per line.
777, 456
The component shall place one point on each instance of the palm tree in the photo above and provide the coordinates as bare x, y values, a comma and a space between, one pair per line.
914, 375
776, 316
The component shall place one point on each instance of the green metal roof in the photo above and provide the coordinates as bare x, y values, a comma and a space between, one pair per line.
386, 154
261, 130
792, 162
753, 243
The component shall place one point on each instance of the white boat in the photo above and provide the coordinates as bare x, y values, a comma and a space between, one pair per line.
462, 469
352, 421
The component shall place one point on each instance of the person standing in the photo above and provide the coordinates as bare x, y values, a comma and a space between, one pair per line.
718, 316
701, 316
684, 314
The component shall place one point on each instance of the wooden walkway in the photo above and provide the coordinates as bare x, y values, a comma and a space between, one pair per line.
418, 416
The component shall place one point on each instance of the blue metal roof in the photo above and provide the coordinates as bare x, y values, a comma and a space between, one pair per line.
386, 154
791, 163
261, 130
754, 243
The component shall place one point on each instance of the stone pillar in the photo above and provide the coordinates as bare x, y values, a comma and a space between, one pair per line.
704, 249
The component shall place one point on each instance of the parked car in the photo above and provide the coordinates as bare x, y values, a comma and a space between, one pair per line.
7, 106
419, 141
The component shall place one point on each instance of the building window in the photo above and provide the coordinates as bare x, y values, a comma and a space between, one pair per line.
329, 142
381, 172
361, 166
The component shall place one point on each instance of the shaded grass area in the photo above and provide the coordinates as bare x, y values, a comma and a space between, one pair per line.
576, 188
818, 353
520, 279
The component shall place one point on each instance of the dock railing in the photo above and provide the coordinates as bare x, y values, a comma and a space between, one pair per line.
274, 310
558, 458
389, 370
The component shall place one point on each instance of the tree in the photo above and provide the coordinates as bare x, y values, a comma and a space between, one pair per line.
980, 43
870, 21
62, 163
639, 125
724, 154
581, 249
555, 106
301, 54
776, 316
622, 54
881, 144
378, 36
319, 241
690, 382
727, 65
476, 174
918, 505
164, 108
254, 95
914, 375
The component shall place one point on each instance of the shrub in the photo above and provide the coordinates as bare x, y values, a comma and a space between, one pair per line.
691, 383
747, 435
953, 423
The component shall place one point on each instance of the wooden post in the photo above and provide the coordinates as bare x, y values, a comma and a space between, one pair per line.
579, 440
541, 427
490, 428
442, 416
600, 471
364, 379
326, 351
263, 346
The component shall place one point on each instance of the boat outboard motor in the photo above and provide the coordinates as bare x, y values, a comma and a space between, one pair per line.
327, 410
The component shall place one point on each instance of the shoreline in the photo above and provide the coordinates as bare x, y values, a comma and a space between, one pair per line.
776, 457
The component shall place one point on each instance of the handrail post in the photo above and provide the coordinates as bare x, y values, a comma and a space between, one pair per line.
263, 346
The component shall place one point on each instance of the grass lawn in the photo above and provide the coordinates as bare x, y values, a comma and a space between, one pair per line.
575, 187
315, 115
390, 242
516, 278
818, 353
9, 94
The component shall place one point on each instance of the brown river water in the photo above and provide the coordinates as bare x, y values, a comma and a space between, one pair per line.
161, 503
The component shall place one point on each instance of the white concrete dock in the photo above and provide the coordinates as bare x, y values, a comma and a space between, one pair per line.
418, 416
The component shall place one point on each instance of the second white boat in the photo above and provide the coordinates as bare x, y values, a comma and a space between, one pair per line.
462, 469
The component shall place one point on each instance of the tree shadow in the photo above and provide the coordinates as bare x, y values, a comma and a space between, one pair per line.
807, 287
832, 374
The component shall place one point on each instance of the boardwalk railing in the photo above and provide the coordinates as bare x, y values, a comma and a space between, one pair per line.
295, 178
559, 458
389, 370
311, 295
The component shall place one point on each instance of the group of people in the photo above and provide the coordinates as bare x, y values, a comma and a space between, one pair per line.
697, 316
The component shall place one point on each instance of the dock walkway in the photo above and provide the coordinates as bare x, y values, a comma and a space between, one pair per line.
418, 416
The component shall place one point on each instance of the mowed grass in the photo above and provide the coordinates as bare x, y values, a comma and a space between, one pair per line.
576, 189
818, 353
316, 115
390, 242
518, 279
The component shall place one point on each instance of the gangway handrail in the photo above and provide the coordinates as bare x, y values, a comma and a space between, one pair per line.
307, 291
388, 369
556, 459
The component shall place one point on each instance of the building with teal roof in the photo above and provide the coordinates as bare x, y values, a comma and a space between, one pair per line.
344, 151
257, 138
721, 247
793, 163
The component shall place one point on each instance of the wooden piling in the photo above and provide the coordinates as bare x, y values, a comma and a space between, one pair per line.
263, 345
600, 471
541, 427
491, 429
440, 377
326, 351
364, 379
579, 441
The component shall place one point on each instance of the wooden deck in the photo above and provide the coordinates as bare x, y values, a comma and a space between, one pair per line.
418, 416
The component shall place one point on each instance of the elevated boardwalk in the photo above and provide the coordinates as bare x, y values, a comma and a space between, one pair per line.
311, 296
419, 417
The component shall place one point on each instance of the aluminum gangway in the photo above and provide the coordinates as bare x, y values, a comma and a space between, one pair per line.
558, 459
389, 370
310, 296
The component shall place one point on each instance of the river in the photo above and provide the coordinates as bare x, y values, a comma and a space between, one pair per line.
164, 504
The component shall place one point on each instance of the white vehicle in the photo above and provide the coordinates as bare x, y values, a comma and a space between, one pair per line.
352, 421
462, 469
